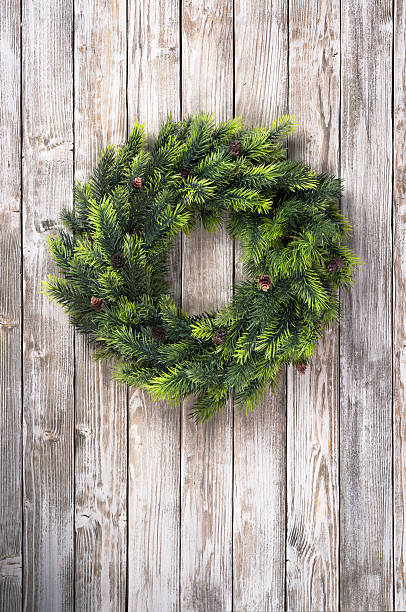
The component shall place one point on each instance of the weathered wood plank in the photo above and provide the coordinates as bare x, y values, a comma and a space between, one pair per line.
260, 437
153, 515
48, 340
207, 270
399, 304
101, 488
154, 427
10, 309
312, 488
366, 547
100, 404
312, 406
259, 506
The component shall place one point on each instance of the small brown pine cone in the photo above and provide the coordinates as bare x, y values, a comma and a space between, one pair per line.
264, 282
97, 303
335, 264
90, 236
117, 261
235, 148
185, 173
301, 368
220, 336
136, 183
158, 333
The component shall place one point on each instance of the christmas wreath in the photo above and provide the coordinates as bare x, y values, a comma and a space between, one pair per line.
124, 220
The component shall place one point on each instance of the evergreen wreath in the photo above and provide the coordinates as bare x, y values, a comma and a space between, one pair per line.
125, 218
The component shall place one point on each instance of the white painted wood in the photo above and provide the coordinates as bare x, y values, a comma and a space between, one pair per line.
399, 304
48, 340
154, 427
207, 269
260, 437
366, 546
312, 401
10, 310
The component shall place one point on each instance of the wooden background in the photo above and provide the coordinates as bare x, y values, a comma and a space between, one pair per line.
110, 502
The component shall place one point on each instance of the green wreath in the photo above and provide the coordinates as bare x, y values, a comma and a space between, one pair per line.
124, 221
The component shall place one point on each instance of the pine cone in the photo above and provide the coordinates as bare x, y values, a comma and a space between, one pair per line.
136, 183
301, 368
185, 173
158, 333
235, 148
137, 233
264, 282
220, 336
97, 303
117, 261
90, 236
335, 264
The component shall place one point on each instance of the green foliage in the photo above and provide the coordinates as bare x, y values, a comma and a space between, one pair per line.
286, 218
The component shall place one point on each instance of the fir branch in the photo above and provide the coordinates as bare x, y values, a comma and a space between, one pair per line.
125, 219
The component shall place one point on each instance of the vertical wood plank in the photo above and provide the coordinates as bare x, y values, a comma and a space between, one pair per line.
154, 427
207, 269
312, 406
399, 303
101, 405
260, 437
48, 340
366, 546
10, 309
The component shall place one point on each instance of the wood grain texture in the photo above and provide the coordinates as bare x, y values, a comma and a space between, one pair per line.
101, 488
10, 310
153, 546
261, 41
312, 484
366, 547
48, 339
399, 304
261, 37
207, 270
154, 427
206, 506
153, 90
312, 402
259, 505
100, 403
